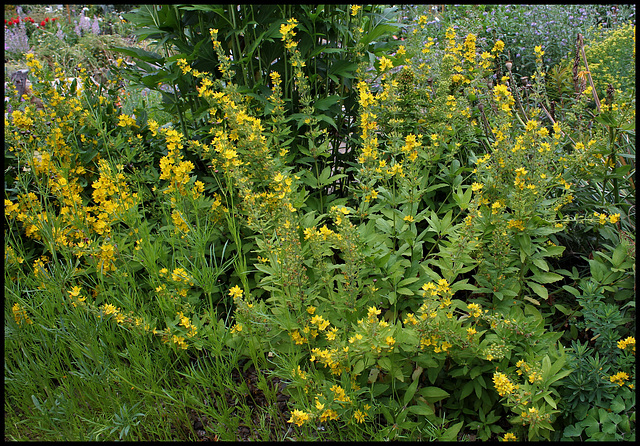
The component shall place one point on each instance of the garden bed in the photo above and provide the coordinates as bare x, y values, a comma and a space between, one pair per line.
302, 223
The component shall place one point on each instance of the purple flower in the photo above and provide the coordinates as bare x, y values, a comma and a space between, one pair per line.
15, 39
60, 32
95, 27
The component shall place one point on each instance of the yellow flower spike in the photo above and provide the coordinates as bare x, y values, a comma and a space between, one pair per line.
385, 64
502, 384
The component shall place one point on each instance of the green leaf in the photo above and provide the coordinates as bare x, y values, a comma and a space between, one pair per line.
543, 265
619, 255
411, 391
385, 363
397, 374
326, 103
617, 405
463, 285
553, 250
598, 270
139, 53
525, 243
422, 409
532, 300
358, 367
571, 290
466, 390
343, 67
550, 400
539, 290
572, 431
542, 277
433, 394
408, 281
451, 434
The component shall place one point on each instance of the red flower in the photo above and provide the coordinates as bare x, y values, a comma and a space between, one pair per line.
43, 23
46, 19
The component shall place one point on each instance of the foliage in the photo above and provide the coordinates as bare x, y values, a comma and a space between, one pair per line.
521, 27
330, 50
612, 62
472, 273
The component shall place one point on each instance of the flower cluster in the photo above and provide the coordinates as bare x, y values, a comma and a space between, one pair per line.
629, 342
20, 314
503, 384
619, 378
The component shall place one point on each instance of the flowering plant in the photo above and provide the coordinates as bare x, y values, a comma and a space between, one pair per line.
428, 300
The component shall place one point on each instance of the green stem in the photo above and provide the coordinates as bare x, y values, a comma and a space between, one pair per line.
236, 44
319, 186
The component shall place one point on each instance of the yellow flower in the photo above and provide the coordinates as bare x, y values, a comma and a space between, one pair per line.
474, 310
614, 218
619, 378
126, 121
385, 64
509, 437
311, 309
75, 291
498, 46
299, 417
359, 416
502, 383
535, 376
629, 342
19, 314
179, 341
390, 341
110, 309
372, 312
328, 414
355, 9
602, 217
451, 33
235, 292
320, 322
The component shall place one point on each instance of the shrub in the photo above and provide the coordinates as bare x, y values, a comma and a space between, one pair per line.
427, 301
